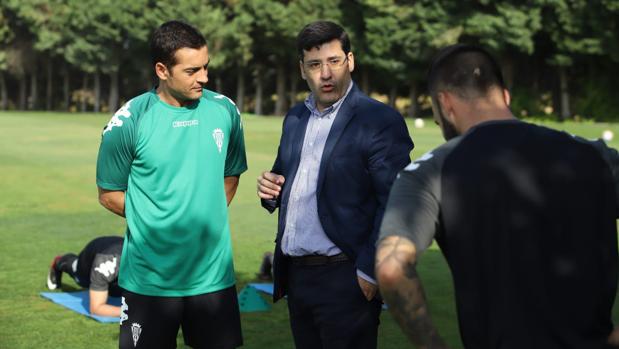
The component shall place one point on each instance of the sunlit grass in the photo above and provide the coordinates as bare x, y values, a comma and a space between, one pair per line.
48, 206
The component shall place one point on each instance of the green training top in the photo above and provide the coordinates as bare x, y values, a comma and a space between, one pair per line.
171, 161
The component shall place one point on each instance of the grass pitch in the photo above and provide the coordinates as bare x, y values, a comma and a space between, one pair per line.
48, 206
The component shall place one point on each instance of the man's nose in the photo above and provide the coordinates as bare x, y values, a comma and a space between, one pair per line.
203, 77
325, 71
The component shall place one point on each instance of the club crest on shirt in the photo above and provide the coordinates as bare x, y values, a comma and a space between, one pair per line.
218, 136
136, 330
116, 120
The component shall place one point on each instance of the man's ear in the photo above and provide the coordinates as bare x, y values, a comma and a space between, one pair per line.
507, 97
446, 103
351, 62
162, 71
302, 71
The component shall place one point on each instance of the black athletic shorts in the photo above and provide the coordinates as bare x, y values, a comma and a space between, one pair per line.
209, 320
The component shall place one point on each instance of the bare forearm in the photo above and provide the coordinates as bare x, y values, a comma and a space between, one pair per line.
99, 306
231, 183
113, 201
106, 310
408, 305
402, 290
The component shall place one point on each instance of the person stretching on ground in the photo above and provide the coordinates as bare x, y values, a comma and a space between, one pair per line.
95, 268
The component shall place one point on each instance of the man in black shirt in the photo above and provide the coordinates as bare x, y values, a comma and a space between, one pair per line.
96, 268
525, 216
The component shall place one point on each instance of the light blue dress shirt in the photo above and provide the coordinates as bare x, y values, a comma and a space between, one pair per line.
303, 234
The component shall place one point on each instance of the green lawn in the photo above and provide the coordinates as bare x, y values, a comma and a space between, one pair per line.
48, 206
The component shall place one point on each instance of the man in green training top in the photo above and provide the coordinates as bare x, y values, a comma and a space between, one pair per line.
170, 161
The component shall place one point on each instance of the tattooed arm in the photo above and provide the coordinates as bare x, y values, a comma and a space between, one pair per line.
402, 290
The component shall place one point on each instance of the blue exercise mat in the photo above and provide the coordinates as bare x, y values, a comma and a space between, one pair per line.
266, 288
80, 302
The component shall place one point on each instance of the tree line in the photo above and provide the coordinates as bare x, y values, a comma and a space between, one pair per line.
559, 57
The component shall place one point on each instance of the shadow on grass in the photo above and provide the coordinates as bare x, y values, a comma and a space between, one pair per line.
69, 288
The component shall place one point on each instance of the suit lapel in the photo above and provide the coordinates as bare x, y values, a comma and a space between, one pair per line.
344, 115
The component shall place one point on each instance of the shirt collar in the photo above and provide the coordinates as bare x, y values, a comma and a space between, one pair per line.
310, 103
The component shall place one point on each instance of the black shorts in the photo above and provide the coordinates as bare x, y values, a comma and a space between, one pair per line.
209, 320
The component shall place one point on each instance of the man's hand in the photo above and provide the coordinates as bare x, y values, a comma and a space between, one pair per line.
368, 288
99, 306
270, 185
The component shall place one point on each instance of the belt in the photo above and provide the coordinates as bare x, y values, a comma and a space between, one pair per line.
313, 260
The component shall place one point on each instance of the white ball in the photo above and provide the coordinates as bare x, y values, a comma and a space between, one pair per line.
419, 123
607, 135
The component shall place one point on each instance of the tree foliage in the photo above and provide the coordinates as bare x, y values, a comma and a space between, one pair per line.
546, 47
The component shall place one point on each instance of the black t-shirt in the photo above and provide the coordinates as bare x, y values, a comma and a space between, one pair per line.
99, 262
526, 218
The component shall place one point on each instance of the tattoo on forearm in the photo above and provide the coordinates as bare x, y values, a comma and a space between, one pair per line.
407, 300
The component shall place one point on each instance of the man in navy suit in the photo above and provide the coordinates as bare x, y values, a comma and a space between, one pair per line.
338, 155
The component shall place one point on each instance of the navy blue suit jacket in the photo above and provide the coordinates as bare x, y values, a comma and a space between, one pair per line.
367, 145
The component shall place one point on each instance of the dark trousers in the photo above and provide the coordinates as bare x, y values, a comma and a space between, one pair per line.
65, 264
81, 275
328, 309
209, 321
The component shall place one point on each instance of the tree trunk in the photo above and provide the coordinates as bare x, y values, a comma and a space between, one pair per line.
49, 90
508, 72
112, 102
23, 87
280, 104
365, 81
240, 89
294, 83
83, 104
219, 84
258, 79
393, 94
66, 98
4, 96
150, 79
97, 91
412, 95
33, 100
565, 94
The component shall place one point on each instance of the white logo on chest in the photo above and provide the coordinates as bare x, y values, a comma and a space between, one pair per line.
186, 123
218, 136
107, 268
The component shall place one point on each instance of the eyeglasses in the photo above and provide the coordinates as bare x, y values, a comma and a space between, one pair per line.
334, 63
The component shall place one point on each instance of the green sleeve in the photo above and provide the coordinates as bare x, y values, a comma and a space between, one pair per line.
236, 162
116, 150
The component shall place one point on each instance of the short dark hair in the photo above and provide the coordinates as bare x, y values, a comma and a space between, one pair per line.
320, 32
466, 70
170, 37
